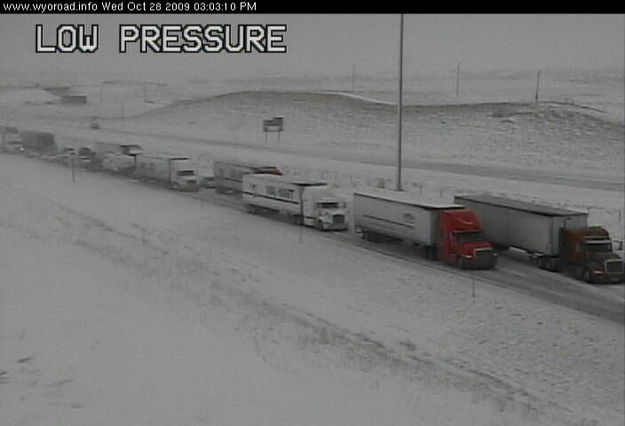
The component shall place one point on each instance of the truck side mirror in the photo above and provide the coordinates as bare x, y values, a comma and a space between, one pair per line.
617, 245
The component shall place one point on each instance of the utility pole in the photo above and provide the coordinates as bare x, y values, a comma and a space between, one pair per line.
354, 77
458, 80
73, 162
400, 100
537, 86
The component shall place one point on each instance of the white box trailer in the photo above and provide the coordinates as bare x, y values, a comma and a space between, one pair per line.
103, 148
228, 175
114, 156
532, 227
311, 203
398, 215
177, 172
117, 163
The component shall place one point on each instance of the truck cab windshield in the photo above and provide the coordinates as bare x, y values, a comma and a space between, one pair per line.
328, 205
469, 236
186, 173
602, 247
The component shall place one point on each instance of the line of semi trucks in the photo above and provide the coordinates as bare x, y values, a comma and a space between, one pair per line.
467, 233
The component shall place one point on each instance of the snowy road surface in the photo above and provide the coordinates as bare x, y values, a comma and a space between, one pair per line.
192, 272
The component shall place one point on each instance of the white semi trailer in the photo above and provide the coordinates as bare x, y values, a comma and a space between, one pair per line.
528, 226
177, 172
228, 175
117, 163
116, 157
102, 148
310, 203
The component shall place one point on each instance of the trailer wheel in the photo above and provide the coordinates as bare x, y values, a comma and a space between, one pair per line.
296, 220
587, 276
460, 263
553, 265
429, 252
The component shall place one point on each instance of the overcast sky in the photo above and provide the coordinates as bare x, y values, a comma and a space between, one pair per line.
333, 44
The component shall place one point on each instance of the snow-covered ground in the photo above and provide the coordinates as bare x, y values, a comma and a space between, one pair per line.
124, 302
150, 307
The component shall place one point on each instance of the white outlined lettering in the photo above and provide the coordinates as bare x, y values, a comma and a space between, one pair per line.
69, 39
127, 33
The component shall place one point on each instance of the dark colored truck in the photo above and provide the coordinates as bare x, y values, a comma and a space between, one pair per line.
556, 239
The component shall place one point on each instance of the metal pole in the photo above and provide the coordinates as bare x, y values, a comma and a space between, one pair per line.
400, 100
537, 85
458, 80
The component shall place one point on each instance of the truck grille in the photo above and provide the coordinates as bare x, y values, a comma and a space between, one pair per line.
338, 219
614, 266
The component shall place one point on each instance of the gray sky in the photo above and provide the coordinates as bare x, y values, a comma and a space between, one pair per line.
332, 44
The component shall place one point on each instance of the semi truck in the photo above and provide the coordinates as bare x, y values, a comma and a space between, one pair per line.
41, 143
177, 172
555, 239
229, 174
305, 202
445, 231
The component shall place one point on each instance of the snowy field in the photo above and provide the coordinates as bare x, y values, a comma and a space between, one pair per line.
140, 311
150, 307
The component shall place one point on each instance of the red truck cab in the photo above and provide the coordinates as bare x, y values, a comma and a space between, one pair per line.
461, 240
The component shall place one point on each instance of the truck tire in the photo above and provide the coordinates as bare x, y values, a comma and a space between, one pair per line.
318, 225
541, 262
296, 220
429, 252
553, 265
369, 236
460, 263
587, 276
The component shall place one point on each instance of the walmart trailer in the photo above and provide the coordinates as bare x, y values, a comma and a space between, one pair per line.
305, 202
